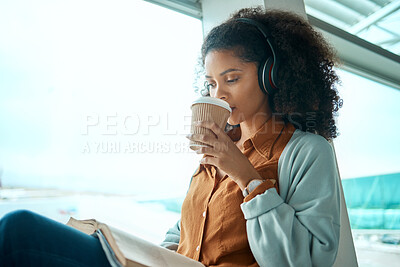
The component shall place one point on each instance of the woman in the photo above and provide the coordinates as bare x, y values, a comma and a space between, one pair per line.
266, 193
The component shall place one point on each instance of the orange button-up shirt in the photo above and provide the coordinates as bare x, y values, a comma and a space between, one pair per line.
213, 228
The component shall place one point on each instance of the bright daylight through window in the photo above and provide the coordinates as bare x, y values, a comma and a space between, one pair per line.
95, 97
368, 156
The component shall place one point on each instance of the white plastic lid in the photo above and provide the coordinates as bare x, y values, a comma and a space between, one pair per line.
214, 101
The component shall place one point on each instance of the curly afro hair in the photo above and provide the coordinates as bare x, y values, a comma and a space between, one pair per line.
307, 95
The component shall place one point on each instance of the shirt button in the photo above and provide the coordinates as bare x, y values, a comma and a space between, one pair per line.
198, 248
204, 214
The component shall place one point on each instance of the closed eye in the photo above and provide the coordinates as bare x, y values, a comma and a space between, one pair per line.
232, 80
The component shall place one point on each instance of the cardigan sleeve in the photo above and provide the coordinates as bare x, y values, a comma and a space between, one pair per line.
172, 237
299, 227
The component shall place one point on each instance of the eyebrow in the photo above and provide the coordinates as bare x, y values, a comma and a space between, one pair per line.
225, 72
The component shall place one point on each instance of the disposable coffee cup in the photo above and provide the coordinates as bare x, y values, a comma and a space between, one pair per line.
208, 109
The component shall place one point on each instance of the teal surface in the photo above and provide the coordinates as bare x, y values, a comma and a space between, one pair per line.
373, 202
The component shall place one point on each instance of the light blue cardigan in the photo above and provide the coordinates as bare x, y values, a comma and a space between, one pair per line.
300, 226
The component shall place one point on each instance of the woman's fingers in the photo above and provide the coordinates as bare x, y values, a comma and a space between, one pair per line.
211, 161
215, 146
209, 151
215, 136
203, 138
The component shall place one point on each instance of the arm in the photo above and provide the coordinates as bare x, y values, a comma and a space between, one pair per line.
300, 227
172, 237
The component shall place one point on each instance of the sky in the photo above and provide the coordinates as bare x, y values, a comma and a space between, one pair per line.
79, 79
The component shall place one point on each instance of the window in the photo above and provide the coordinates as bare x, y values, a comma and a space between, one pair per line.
95, 96
368, 158
376, 21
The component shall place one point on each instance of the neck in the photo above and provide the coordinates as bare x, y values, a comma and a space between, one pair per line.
249, 128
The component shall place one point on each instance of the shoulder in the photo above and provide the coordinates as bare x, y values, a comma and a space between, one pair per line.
307, 158
306, 151
304, 144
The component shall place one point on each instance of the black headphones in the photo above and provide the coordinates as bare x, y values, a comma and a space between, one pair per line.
267, 71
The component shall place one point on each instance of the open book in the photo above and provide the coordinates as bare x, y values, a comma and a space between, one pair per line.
123, 249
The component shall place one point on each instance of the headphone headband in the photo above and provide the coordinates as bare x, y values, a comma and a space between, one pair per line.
268, 70
261, 28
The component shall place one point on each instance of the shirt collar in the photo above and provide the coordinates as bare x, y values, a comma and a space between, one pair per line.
266, 136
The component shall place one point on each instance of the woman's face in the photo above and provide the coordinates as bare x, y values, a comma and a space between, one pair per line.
236, 82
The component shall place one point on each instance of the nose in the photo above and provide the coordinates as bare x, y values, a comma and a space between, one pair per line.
220, 92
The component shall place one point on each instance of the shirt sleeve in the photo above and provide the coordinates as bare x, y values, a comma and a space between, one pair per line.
172, 237
299, 227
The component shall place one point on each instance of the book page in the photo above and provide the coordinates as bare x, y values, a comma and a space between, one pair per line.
111, 257
90, 226
85, 226
132, 251
147, 253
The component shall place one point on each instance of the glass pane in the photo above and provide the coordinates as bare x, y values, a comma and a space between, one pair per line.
95, 97
375, 21
368, 152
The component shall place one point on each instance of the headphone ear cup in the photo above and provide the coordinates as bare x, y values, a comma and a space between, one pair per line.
261, 70
268, 76
265, 77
